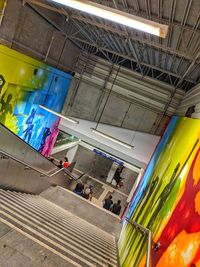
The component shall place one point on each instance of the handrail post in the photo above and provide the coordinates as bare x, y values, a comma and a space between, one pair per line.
149, 247
147, 232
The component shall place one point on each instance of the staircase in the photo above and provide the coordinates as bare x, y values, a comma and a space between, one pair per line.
76, 241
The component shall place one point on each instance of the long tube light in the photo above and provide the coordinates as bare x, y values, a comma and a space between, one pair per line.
111, 138
59, 114
117, 16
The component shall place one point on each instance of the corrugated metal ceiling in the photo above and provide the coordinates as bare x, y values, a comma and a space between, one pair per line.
174, 60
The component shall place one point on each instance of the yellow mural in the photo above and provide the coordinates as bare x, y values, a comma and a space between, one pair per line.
167, 201
25, 84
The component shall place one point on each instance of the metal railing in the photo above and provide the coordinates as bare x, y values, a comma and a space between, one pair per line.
148, 233
49, 174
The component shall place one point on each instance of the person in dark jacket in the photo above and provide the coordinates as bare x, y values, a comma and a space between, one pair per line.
60, 165
108, 203
117, 175
116, 208
79, 189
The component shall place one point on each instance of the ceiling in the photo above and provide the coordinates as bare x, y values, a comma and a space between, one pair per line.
174, 60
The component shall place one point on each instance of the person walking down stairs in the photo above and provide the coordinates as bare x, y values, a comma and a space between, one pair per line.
116, 208
108, 203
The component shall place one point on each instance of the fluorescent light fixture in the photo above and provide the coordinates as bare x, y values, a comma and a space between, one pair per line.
59, 114
113, 139
117, 16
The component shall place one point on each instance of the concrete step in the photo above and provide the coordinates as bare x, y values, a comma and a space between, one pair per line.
55, 208
64, 230
98, 233
46, 224
79, 242
85, 227
82, 208
17, 248
66, 221
23, 228
15, 214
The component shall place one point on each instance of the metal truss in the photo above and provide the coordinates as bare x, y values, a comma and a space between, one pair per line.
175, 62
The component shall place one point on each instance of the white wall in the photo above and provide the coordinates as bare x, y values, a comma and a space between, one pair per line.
144, 144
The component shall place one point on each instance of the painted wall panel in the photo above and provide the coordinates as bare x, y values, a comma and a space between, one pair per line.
26, 84
167, 201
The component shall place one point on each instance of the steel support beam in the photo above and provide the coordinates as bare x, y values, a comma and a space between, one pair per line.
116, 31
129, 58
103, 47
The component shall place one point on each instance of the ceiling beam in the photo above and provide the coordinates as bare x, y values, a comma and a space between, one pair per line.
101, 48
133, 37
128, 57
139, 13
121, 33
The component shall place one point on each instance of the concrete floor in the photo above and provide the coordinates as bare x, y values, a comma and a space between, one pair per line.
102, 190
35, 232
85, 159
17, 250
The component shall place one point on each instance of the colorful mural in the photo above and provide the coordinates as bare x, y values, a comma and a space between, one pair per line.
167, 201
25, 84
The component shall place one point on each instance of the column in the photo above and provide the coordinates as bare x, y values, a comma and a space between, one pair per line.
71, 153
135, 185
112, 172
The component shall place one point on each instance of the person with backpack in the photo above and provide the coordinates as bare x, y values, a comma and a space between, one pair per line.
88, 191
120, 183
116, 208
66, 163
79, 189
108, 203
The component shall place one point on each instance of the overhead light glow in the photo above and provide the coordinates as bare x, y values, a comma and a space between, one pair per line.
117, 16
113, 139
59, 114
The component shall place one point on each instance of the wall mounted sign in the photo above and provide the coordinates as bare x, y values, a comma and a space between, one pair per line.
103, 154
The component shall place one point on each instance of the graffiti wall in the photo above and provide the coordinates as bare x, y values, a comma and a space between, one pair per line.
167, 201
24, 85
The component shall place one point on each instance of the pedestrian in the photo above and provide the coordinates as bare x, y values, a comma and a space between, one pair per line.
117, 175
79, 189
60, 165
108, 203
116, 208
88, 191
66, 163
51, 159
66, 159
120, 183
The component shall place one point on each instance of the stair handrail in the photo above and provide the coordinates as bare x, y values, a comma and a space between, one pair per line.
36, 169
147, 232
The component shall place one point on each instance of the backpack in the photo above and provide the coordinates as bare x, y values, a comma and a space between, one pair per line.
87, 191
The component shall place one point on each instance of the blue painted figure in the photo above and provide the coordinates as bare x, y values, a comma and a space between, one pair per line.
30, 125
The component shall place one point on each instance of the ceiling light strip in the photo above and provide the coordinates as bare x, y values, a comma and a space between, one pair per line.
117, 16
111, 138
59, 114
